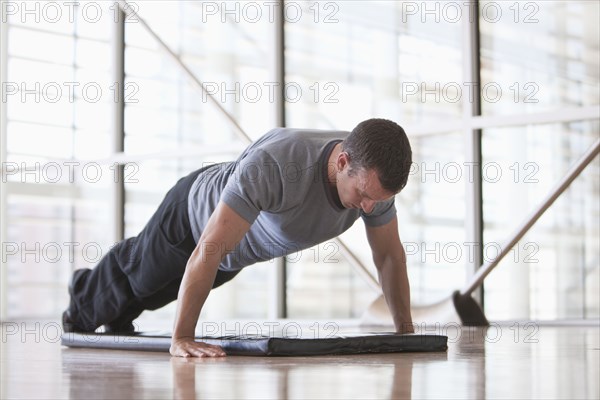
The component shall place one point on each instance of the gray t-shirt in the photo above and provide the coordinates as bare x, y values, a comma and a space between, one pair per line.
279, 185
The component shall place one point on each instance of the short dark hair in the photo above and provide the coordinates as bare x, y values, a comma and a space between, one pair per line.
382, 145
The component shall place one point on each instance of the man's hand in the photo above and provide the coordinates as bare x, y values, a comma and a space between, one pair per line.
224, 230
406, 328
191, 348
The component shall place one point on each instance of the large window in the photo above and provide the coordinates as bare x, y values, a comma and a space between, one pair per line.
344, 62
552, 273
172, 113
367, 59
539, 56
57, 105
543, 56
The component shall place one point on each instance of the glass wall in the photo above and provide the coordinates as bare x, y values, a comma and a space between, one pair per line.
58, 101
539, 56
170, 112
359, 60
344, 62
544, 56
553, 272
356, 59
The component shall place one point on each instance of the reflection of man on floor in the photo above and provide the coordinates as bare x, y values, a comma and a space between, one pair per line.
288, 191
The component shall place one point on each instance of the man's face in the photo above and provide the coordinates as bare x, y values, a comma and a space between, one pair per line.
361, 189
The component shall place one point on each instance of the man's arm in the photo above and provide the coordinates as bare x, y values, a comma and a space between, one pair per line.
222, 233
390, 260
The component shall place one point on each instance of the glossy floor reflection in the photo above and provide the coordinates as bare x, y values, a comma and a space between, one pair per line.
518, 361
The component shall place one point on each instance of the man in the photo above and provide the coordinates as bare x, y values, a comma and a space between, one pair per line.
288, 191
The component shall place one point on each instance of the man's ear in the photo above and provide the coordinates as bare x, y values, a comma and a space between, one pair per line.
343, 161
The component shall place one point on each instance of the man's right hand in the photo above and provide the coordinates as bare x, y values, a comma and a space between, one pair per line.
224, 230
191, 348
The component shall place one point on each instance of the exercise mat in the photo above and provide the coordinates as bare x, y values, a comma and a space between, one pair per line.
259, 345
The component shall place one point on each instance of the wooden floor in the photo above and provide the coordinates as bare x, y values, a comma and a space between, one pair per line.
500, 362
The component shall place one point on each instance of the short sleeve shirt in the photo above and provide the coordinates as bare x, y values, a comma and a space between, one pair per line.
279, 185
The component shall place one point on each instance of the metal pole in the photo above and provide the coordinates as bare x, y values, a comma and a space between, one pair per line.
3, 155
472, 108
278, 287
560, 187
118, 131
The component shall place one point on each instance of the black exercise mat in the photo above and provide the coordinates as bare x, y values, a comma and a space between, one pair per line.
257, 345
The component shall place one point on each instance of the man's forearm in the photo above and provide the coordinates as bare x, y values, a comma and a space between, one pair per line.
224, 230
195, 286
396, 290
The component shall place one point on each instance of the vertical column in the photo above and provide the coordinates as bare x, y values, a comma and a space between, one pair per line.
472, 108
3, 140
277, 278
118, 124
278, 63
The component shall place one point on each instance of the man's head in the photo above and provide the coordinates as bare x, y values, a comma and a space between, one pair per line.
374, 163
380, 145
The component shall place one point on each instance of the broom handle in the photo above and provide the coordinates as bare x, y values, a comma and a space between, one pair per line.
560, 187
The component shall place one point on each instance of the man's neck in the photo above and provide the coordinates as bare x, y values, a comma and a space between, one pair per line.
332, 169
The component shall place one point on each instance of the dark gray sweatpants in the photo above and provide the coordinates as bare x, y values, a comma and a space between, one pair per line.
142, 272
